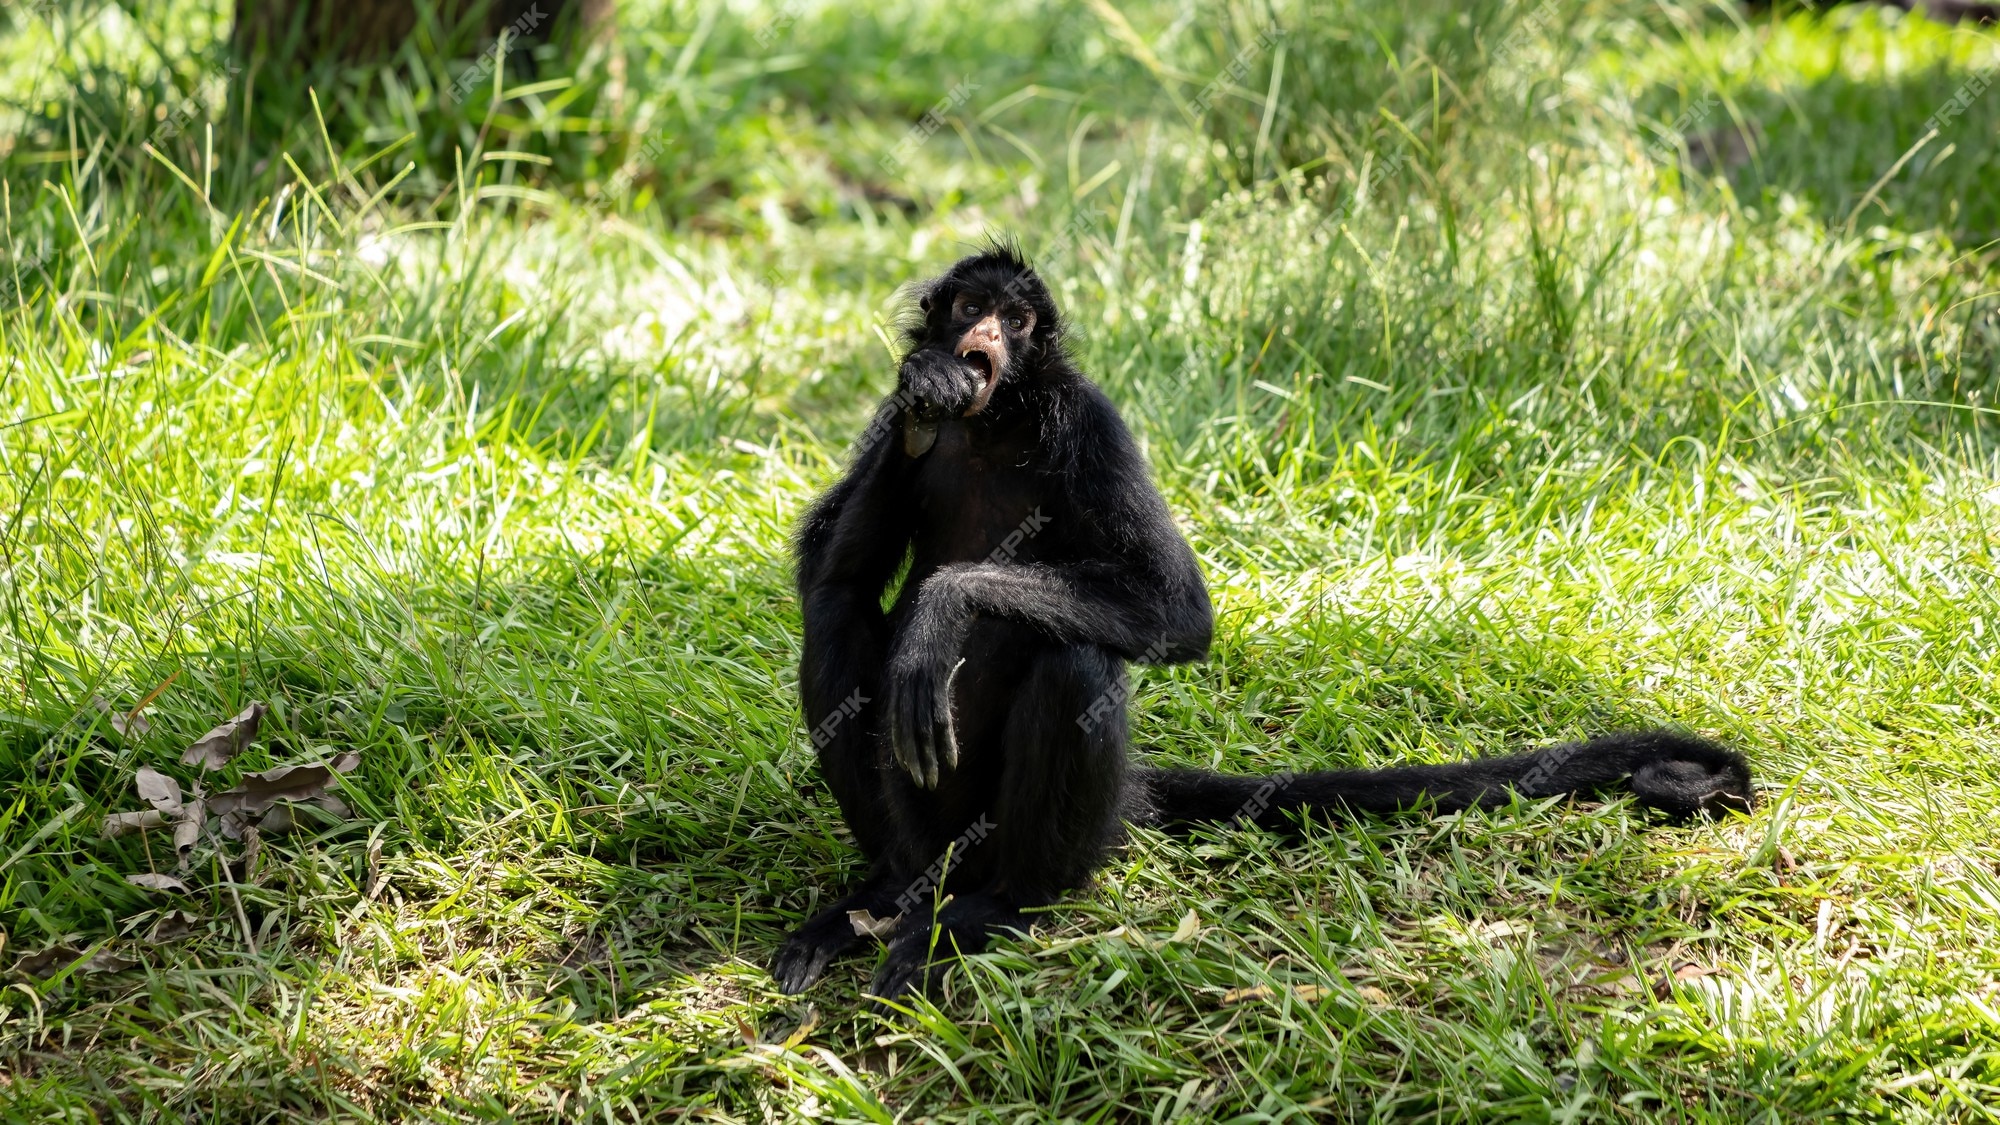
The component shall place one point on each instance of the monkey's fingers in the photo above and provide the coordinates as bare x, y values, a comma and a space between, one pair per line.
947, 731
911, 733
948, 742
902, 738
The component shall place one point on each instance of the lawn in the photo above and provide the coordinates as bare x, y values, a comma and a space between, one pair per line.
1517, 373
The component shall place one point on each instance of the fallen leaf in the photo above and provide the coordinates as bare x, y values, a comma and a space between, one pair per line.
1128, 936
213, 750
173, 926
1494, 931
259, 791
46, 962
1374, 995
128, 724
107, 961
374, 867
156, 882
58, 957
126, 823
867, 925
748, 1033
281, 819
158, 790
1306, 992
1189, 927
253, 853
1692, 971
187, 831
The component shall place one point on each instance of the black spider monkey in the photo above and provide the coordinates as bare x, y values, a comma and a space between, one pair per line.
974, 734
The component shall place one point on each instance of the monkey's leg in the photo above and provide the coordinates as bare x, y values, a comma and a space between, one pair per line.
922, 945
1053, 818
804, 957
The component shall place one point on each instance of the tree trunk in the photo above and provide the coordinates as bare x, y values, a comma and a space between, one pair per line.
367, 30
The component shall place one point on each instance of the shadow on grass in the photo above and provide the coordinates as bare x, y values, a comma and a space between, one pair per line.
1835, 144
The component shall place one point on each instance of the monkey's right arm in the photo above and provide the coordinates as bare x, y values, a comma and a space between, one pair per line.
849, 546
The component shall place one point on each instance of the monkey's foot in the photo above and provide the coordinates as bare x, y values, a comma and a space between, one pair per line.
804, 957
920, 951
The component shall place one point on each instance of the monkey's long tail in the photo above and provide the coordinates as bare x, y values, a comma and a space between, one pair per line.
1679, 774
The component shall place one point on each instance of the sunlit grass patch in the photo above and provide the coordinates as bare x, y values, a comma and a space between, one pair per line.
1489, 428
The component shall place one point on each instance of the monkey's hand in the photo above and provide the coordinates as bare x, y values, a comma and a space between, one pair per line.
920, 730
937, 384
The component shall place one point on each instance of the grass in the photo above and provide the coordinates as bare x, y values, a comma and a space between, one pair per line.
1489, 428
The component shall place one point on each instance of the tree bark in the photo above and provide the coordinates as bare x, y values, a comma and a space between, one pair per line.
369, 30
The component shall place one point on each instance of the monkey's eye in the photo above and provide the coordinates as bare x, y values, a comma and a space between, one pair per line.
971, 309
1016, 323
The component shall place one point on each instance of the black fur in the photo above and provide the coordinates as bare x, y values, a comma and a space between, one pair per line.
974, 734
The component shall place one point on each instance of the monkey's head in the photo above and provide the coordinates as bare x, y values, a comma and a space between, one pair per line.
988, 321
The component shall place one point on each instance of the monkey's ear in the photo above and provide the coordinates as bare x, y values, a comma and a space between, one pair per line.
924, 303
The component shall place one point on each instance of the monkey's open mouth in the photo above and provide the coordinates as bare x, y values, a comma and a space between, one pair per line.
982, 360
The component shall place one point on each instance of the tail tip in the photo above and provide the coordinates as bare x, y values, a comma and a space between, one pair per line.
1695, 777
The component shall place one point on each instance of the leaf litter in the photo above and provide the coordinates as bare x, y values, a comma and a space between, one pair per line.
218, 747
261, 804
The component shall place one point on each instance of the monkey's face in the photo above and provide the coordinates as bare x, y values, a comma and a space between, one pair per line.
987, 322
987, 333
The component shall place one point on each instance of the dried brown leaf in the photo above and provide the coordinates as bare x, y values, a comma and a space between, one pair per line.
1504, 928
128, 724
1306, 992
187, 832
158, 790
156, 882
47, 962
58, 957
259, 791
253, 853
867, 925
214, 750
1189, 927
107, 960
173, 926
126, 823
1373, 995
